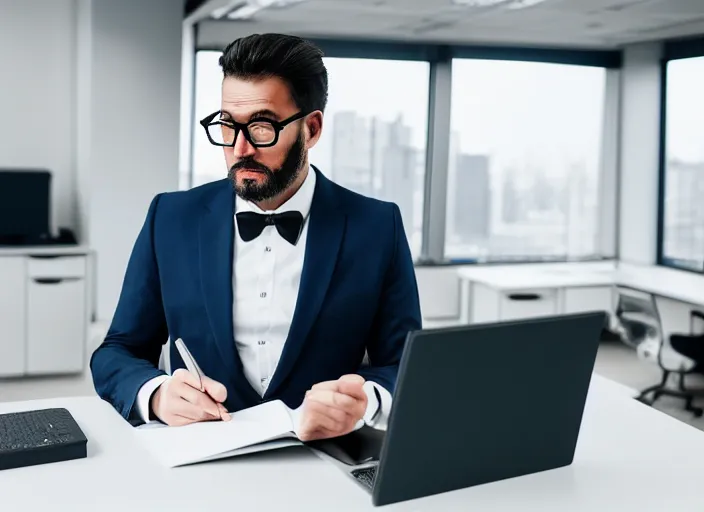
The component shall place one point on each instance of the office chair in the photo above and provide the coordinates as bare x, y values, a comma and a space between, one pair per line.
640, 327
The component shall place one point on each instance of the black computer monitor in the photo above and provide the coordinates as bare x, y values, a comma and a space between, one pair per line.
25, 201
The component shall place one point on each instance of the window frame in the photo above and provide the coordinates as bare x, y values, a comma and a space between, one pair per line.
439, 57
673, 50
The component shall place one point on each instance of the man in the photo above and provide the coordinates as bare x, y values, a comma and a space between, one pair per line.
277, 280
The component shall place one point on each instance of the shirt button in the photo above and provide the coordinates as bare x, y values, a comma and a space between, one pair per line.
262, 295
267, 249
261, 342
263, 380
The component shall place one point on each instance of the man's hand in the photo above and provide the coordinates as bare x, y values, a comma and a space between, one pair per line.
333, 408
180, 401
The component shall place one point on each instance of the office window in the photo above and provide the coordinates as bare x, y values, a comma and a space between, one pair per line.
374, 132
683, 215
374, 137
208, 160
524, 166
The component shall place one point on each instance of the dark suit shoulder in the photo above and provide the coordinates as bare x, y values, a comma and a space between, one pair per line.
358, 205
196, 197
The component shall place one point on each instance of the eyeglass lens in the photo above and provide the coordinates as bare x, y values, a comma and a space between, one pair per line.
261, 132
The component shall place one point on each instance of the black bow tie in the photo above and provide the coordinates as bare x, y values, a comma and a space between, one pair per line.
251, 224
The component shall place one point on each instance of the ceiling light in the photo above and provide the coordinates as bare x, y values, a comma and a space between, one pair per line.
523, 4
481, 3
222, 11
246, 10
509, 4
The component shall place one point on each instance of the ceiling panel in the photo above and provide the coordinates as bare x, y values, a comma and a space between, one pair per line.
588, 23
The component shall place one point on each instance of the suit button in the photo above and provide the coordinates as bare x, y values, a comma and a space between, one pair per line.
262, 295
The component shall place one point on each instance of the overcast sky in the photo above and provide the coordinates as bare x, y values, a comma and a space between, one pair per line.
685, 109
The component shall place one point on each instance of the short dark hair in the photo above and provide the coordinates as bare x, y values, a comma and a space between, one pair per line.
298, 62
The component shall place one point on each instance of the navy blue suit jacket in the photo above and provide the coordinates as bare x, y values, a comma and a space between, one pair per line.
358, 292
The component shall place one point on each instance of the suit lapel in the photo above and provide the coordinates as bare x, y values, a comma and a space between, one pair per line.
216, 253
325, 233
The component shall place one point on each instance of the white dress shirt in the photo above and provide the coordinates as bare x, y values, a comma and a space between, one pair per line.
266, 276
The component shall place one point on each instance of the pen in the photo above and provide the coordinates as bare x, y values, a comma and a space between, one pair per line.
190, 361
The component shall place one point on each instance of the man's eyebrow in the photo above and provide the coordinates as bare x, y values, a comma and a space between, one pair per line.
264, 113
259, 113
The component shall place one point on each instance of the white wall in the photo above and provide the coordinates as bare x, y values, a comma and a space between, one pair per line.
90, 89
131, 81
37, 95
640, 141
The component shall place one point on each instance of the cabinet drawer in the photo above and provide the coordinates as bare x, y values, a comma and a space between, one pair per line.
56, 325
59, 267
580, 300
519, 304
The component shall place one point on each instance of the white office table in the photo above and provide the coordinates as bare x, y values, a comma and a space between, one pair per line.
630, 458
491, 293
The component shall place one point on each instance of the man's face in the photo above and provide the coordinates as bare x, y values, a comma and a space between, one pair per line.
263, 173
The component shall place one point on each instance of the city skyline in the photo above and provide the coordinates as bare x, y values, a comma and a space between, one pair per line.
524, 152
683, 216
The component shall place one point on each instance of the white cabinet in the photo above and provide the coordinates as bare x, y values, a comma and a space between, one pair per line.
588, 298
489, 304
530, 303
12, 316
43, 312
56, 325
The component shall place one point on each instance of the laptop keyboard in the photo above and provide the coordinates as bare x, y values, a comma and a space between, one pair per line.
366, 476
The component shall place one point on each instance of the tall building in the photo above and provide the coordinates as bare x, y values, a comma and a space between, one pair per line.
352, 152
375, 158
397, 168
581, 212
472, 198
510, 199
684, 212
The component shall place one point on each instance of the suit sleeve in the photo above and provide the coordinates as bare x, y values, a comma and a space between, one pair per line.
397, 314
129, 355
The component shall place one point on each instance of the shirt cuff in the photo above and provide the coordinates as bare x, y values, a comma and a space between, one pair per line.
373, 405
144, 396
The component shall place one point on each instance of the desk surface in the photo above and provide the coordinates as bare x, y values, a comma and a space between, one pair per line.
629, 458
666, 282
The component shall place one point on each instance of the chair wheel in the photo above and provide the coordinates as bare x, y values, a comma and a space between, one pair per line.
697, 412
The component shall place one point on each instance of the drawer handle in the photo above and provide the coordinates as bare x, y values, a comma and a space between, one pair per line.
524, 296
54, 280
44, 256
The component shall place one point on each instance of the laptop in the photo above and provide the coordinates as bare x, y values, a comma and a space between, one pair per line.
484, 402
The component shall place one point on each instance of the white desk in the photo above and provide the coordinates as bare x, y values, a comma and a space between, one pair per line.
491, 293
629, 458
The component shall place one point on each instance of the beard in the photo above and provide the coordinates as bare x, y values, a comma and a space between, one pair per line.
276, 182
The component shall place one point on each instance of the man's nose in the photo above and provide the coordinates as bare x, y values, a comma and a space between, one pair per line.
242, 147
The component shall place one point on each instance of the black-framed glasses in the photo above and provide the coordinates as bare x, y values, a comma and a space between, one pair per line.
260, 132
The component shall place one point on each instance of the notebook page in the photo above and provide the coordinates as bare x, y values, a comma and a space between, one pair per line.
261, 447
175, 446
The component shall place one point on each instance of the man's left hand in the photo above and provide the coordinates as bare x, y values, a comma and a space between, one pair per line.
333, 408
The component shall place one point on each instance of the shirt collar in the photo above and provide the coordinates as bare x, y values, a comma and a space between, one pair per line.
301, 201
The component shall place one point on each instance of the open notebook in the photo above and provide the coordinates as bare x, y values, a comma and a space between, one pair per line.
267, 426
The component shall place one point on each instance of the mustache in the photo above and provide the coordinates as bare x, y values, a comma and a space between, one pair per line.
250, 164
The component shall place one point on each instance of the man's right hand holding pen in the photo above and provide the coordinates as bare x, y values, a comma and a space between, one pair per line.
180, 400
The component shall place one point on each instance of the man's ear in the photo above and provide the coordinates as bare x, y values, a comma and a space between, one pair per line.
314, 128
